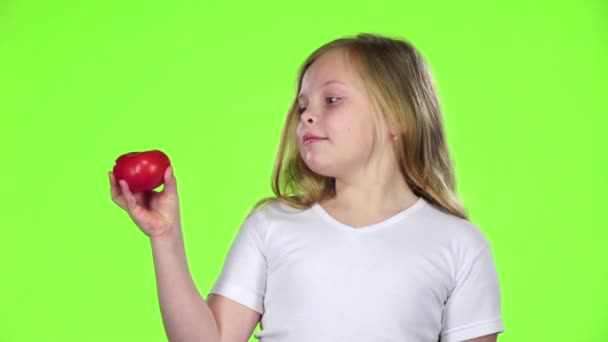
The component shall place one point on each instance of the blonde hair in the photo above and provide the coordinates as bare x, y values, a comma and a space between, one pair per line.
401, 84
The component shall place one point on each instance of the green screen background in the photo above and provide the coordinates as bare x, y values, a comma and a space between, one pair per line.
522, 87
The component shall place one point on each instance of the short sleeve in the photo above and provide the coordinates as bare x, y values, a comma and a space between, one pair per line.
243, 275
473, 307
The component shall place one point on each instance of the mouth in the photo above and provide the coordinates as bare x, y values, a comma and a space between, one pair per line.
311, 139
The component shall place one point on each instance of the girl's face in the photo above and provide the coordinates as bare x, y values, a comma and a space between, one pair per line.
336, 107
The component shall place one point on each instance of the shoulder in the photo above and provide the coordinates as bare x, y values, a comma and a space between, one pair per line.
274, 209
272, 213
455, 231
462, 242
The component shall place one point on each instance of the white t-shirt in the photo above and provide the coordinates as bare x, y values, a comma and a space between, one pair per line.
420, 275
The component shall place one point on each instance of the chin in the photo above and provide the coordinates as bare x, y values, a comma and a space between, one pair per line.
321, 169
319, 165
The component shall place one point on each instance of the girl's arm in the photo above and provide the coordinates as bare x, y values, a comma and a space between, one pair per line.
186, 316
236, 322
487, 338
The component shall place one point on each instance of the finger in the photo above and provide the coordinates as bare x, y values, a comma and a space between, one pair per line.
128, 196
113, 186
140, 197
115, 191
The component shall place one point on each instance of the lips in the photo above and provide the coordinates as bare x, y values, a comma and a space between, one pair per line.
309, 139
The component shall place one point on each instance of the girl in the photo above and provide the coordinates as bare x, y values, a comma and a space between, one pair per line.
365, 238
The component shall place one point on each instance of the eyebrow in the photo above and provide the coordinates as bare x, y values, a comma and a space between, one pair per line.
322, 85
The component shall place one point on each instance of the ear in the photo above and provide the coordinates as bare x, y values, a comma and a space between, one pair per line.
396, 131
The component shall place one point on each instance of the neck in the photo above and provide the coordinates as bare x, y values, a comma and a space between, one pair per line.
372, 194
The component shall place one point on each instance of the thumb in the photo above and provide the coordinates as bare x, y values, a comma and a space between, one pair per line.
170, 181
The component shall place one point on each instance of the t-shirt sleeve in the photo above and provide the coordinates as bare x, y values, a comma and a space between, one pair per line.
473, 307
243, 275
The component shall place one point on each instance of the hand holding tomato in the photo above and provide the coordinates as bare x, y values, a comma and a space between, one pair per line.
133, 180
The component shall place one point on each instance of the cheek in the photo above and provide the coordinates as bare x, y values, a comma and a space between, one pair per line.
356, 133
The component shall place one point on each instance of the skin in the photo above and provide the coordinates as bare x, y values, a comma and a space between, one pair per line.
487, 338
369, 186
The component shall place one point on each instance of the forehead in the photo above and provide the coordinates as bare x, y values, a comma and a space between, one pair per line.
332, 67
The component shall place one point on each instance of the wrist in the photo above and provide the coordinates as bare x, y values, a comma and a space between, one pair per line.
171, 239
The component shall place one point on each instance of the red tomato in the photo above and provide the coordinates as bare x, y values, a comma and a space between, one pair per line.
142, 171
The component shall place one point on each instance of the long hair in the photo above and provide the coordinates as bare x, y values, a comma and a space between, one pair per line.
401, 84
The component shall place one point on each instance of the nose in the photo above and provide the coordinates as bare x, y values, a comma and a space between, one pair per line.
307, 118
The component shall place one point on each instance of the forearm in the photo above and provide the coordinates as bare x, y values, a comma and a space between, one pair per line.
185, 314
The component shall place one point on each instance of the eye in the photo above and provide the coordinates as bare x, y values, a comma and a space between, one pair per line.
330, 98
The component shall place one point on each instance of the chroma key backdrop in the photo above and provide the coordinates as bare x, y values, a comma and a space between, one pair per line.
522, 86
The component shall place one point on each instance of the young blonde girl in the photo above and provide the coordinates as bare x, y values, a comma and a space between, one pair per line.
365, 238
